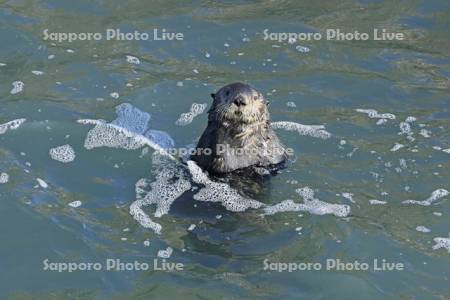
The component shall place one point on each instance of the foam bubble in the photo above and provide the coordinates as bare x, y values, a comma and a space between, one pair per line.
4, 178
302, 49
405, 128
317, 131
187, 118
192, 227
397, 147
410, 119
348, 196
311, 205
381, 121
423, 229
436, 195
42, 183
133, 60
442, 243
373, 114
64, 153
377, 202
11, 125
75, 204
17, 87
38, 73
165, 253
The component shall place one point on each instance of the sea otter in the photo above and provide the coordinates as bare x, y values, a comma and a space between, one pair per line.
238, 135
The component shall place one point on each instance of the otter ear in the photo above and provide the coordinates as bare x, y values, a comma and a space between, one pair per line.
213, 96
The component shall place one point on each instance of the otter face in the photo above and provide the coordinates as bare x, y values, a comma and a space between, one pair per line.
239, 103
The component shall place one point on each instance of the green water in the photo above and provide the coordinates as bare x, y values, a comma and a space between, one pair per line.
223, 42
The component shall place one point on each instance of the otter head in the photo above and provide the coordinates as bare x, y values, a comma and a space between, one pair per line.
238, 103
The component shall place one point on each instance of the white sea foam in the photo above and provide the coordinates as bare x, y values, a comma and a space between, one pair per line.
381, 121
423, 229
75, 204
171, 182
36, 72
133, 60
317, 131
131, 118
109, 135
4, 178
310, 204
397, 147
187, 118
161, 138
165, 253
291, 104
348, 196
219, 192
127, 131
442, 243
42, 183
11, 125
373, 114
64, 153
17, 87
410, 119
405, 128
377, 202
435, 196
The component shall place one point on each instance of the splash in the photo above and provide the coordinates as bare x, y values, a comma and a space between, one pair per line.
64, 153
187, 118
435, 196
11, 125
317, 131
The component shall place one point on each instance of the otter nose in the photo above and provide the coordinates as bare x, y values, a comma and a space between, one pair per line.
240, 100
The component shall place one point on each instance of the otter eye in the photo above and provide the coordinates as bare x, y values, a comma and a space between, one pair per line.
255, 97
